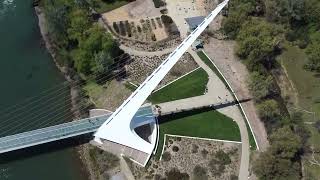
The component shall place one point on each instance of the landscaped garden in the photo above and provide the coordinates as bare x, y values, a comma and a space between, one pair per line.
205, 123
193, 84
208, 62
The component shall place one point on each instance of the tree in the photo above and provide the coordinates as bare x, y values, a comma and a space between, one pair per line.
313, 13
96, 51
284, 11
268, 166
268, 110
239, 11
285, 143
279, 162
258, 41
261, 85
79, 23
313, 53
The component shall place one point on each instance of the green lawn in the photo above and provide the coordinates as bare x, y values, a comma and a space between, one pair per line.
102, 6
206, 60
198, 123
194, 84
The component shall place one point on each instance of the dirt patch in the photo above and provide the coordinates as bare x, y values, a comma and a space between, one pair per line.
222, 53
145, 30
142, 66
195, 159
136, 10
170, 42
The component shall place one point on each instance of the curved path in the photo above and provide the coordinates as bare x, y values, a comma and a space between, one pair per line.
217, 93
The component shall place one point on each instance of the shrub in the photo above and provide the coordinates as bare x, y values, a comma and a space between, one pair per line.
194, 148
116, 27
204, 153
175, 148
200, 173
122, 29
175, 174
167, 20
166, 156
158, 3
218, 163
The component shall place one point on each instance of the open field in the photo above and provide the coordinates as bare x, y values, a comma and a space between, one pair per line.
205, 59
194, 84
199, 123
307, 85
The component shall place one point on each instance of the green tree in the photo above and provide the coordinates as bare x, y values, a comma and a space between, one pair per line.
268, 166
313, 53
239, 11
268, 110
285, 143
284, 11
279, 162
95, 51
261, 85
79, 23
258, 40
313, 12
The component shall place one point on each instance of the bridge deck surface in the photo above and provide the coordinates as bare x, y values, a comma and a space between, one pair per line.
57, 132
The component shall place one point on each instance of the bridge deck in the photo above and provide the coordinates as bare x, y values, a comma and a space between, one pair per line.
57, 132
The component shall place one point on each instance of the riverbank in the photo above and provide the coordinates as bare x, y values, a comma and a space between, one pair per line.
83, 150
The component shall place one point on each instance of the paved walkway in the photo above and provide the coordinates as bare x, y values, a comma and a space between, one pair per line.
222, 53
217, 93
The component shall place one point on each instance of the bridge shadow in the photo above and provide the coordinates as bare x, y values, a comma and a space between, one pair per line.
185, 113
46, 148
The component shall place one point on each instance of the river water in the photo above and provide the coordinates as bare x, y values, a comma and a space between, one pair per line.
27, 70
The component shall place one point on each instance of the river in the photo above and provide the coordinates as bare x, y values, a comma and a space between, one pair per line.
27, 70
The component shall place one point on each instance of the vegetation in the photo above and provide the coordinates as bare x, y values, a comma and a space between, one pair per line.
261, 29
198, 123
194, 84
200, 173
206, 60
102, 6
158, 3
175, 174
219, 162
104, 163
79, 41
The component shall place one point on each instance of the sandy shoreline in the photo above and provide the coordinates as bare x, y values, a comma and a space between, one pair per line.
83, 149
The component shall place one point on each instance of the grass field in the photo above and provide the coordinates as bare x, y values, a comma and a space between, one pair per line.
194, 84
307, 84
199, 123
205, 59
102, 6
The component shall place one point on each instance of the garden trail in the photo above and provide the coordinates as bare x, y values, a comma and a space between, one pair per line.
217, 93
134, 52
